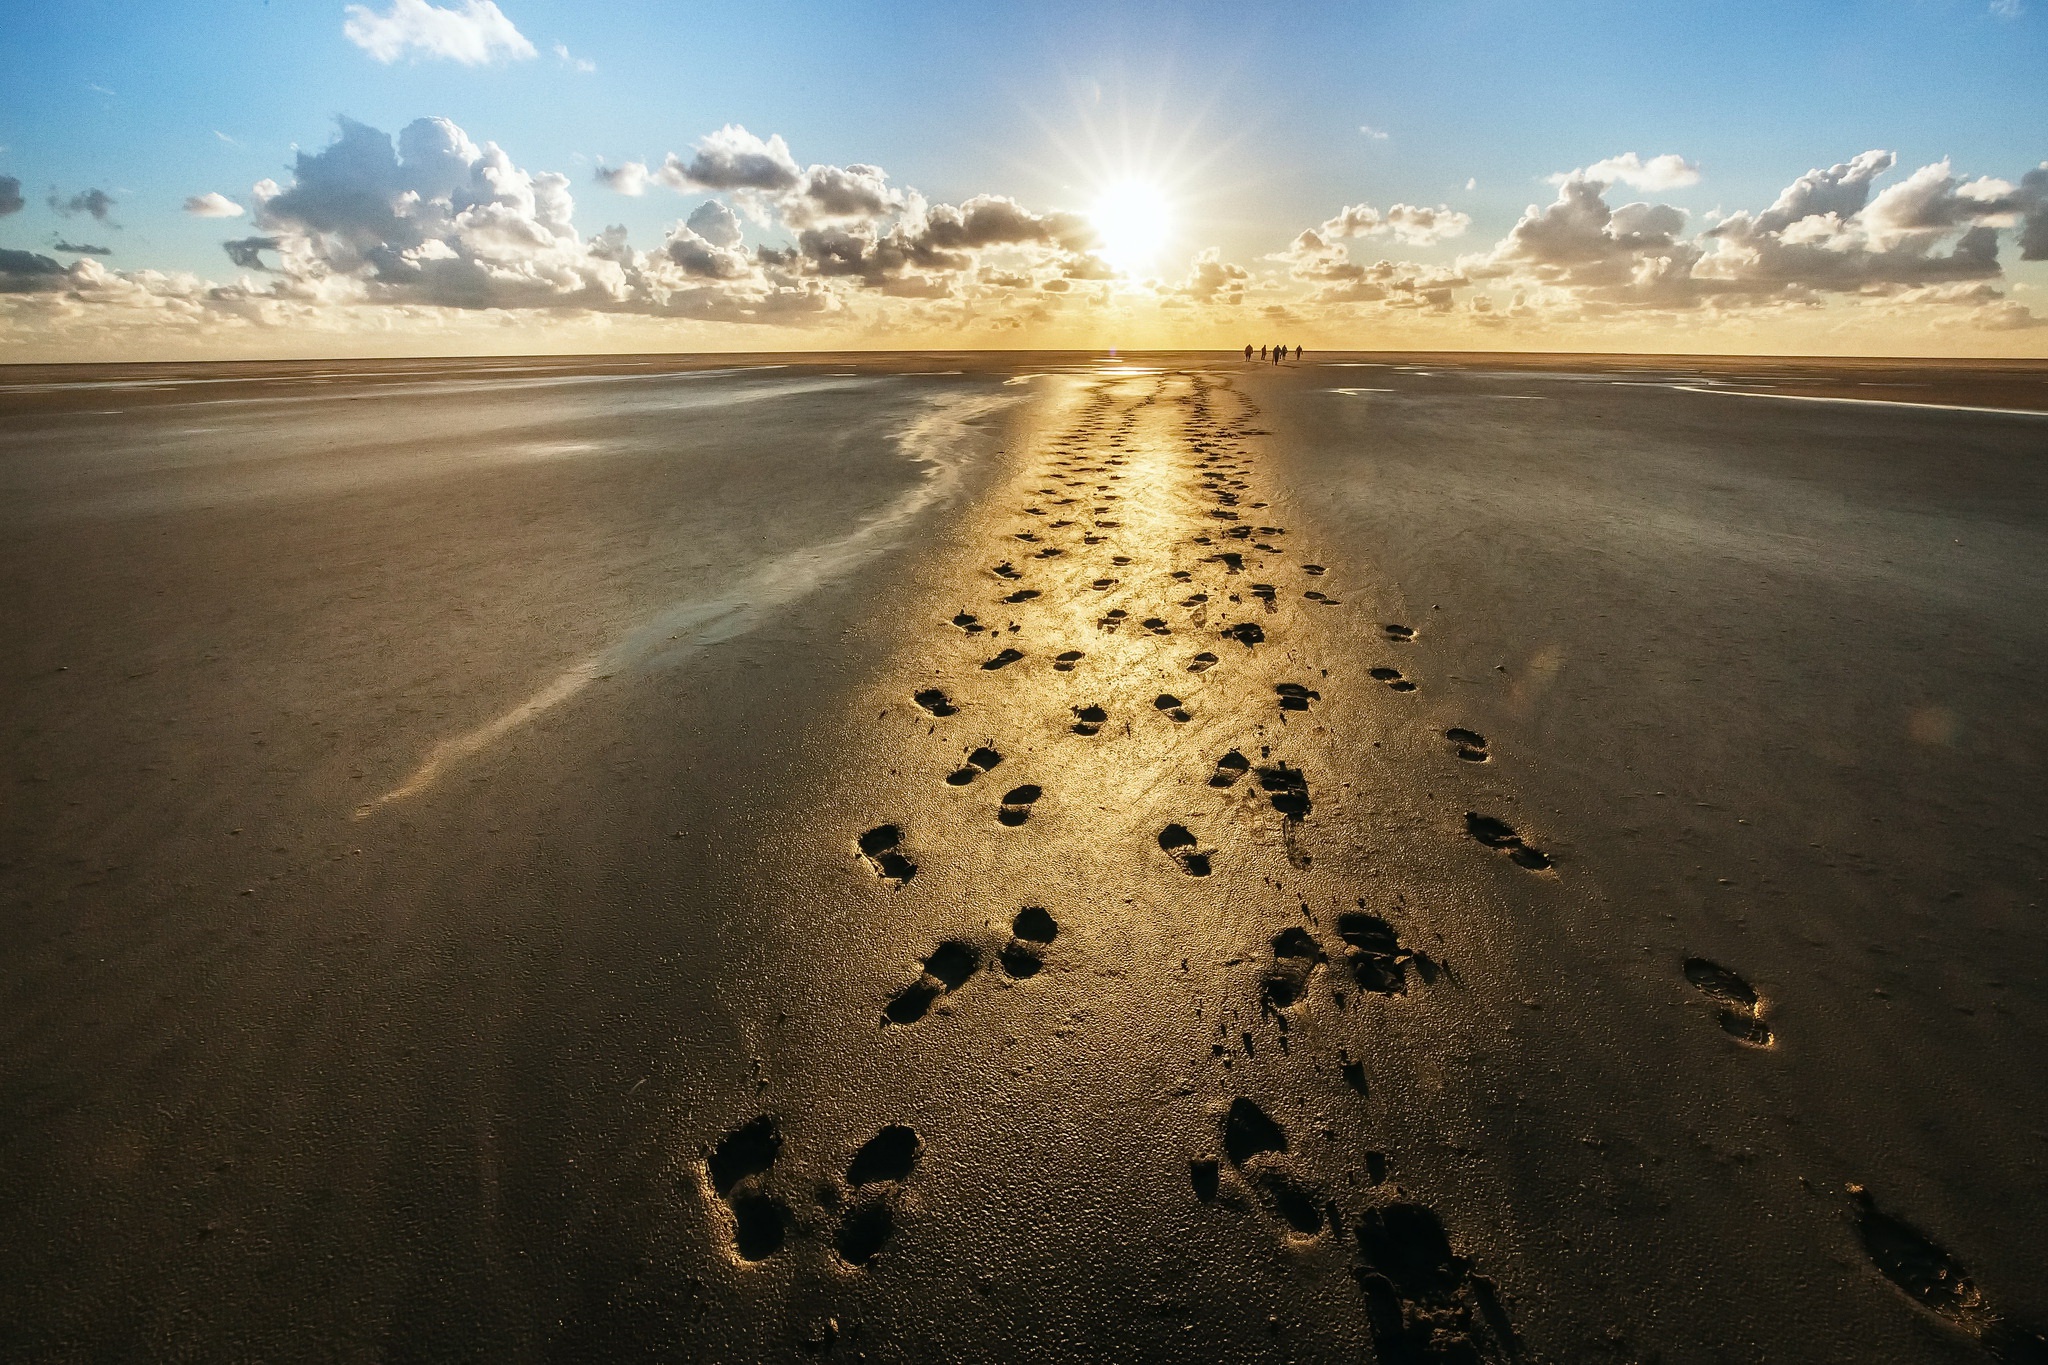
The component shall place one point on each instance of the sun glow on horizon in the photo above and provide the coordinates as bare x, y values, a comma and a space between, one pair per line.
1135, 221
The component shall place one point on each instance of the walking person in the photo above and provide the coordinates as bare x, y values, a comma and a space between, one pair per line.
1247, 350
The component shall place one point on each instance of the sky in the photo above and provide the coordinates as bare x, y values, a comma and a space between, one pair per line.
305, 178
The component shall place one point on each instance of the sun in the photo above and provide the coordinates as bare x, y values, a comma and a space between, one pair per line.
1134, 221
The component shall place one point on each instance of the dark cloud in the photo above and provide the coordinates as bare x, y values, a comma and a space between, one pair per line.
24, 272
2034, 223
83, 248
246, 252
95, 202
733, 159
10, 196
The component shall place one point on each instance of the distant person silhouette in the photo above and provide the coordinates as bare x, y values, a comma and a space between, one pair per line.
1262, 353
1297, 350
1247, 350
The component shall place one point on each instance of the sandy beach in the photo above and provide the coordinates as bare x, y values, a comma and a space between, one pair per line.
1025, 857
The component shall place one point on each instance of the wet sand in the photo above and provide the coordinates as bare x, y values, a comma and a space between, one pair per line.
1470, 858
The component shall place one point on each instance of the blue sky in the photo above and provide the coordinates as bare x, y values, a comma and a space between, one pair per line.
1249, 115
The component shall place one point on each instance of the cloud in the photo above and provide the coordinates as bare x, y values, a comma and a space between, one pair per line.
733, 159
10, 196
98, 203
1404, 222
574, 63
1376, 134
477, 34
840, 194
1667, 172
2033, 197
1211, 279
2007, 9
629, 179
24, 272
213, 204
83, 248
715, 223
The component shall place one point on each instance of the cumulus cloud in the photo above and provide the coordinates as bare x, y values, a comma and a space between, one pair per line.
715, 223
476, 34
630, 179
1927, 243
733, 159
10, 196
98, 204
1667, 172
1376, 134
82, 248
1408, 223
1211, 279
213, 204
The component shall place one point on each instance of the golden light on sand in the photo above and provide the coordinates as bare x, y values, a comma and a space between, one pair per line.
1134, 220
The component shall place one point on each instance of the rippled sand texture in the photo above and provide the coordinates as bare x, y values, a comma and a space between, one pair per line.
1025, 858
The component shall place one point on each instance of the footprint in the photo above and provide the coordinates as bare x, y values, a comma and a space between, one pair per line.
889, 1156
1265, 592
1181, 846
1249, 1131
1119, 560
1325, 600
875, 1177
1202, 662
1469, 745
1295, 697
1089, 720
1031, 536
1017, 803
1287, 789
935, 701
1003, 660
1171, 705
1392, 678
966, 621
882, 846
1399, 634
1229, 769
945, 971
1052, 551
1246, 633
1499, 834
736, 1167
1005, 570
978, 762
1375, 956
1103, 584
1295, 959
1112, 619
1064, 661
1938, 1282
1022, 595
1423, 1302
1031, 932
1156, 625
1741, 1008
1257, 1146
